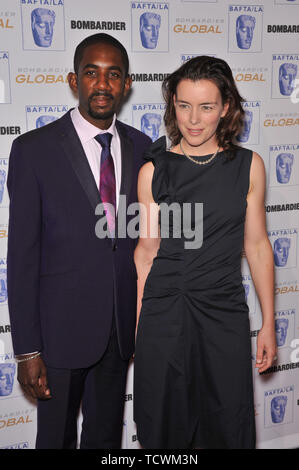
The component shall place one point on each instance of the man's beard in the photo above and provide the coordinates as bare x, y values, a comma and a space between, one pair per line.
100, 114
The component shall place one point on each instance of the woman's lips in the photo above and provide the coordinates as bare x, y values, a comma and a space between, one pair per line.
195, 131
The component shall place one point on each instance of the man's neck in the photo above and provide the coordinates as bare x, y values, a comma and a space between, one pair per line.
100, 123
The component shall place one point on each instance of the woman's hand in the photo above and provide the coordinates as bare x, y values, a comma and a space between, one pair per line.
266, 348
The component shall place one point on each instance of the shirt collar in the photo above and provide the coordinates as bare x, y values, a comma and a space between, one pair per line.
88, 131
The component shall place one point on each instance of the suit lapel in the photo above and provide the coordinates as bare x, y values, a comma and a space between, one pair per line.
75, 153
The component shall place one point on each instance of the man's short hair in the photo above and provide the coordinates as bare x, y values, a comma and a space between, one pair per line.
99, 38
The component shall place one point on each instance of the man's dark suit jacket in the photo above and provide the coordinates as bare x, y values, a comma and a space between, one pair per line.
64, 283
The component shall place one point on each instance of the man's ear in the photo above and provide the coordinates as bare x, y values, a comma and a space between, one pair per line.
72, 79
128, 84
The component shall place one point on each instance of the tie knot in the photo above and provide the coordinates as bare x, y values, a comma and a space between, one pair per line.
104, 139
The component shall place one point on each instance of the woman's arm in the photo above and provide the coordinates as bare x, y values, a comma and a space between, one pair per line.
260, 259
149, 240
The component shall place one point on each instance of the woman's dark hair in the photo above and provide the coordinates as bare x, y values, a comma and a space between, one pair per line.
217, 71
100, 38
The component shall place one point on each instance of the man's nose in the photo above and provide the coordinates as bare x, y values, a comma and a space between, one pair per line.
102, 82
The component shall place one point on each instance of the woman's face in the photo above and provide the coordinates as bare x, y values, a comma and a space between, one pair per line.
199, 108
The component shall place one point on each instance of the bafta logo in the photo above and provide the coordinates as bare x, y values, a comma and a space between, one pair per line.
245, 25
7, 373
3, 286
278, 408
281, 251
149, 29
44, 120
246, 288
244, 135
284, 163
281, 330
287, 75
42, 25
2, 184
150, 125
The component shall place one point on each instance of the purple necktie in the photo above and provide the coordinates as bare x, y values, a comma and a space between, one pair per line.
107, 180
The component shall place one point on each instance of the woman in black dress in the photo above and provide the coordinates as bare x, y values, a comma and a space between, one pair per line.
193, 375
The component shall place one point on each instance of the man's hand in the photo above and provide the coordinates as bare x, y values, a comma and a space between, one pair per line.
32, 375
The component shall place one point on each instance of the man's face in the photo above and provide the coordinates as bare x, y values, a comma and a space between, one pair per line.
244, 31
101, 84
42, 27
150, 125
287, 75
281, 251
284, 163
149, 30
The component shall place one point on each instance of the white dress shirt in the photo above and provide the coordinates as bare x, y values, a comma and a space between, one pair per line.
93, 149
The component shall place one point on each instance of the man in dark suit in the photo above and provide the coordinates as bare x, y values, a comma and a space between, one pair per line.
72, 295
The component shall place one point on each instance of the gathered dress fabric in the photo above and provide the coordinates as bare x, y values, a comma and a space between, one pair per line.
193, 385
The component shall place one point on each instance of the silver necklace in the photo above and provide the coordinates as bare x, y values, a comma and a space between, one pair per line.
198, 162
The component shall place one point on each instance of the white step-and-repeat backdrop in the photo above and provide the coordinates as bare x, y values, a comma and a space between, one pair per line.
259, 40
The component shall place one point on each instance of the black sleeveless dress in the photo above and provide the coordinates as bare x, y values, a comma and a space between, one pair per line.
193, 374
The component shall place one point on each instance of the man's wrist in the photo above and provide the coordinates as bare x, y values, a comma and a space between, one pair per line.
26, 357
